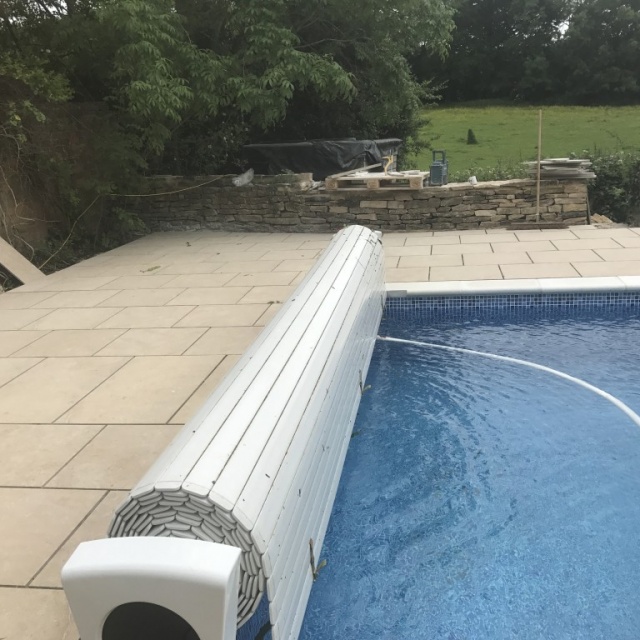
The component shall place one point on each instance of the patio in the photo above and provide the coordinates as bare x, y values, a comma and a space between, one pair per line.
102, 363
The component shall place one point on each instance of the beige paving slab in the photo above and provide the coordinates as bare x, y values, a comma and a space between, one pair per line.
18, 300
623, 268
139, 282
519, 247
74, 284
270, 279
269, 295
477, 259
75, 299
40, 521
415, 274
223, 315
147, 390
396, 239
299, 278
33, 453
141, 298
236, 248
626, 242
323, 244
483, 272
234, 256
588, 243
579, 255
152, 342
210, 295
611, 232
391, 262
117, 270
47, 390
19, 318
117, 457
295, 265
94, 527
419, 239
69, 318
408, 262
517, 271
304, 254
288, 245
253, 266
268, 315
527, 235
149, 317
199, 280
13, 367
463, 233
14, 262
70, 342
12, 341
619, 255
419, 250
507, 236
35, 614
225, 340
458, 249
193, 268
202, 393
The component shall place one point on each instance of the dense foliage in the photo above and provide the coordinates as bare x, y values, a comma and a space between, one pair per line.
573, 51
615, 192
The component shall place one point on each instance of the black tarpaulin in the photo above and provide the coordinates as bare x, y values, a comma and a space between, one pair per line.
322, 158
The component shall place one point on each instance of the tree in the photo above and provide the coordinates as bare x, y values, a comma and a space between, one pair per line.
500, 49
368, 40
130, 75
599, 59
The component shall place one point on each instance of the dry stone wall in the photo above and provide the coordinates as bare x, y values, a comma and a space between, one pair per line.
290, 203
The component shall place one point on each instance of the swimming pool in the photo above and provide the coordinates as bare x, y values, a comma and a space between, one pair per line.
485, 498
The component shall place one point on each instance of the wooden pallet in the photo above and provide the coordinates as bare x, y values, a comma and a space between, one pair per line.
377, 181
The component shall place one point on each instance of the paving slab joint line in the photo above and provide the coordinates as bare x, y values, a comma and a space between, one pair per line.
173, 415
113, 373
45, 485
66, 539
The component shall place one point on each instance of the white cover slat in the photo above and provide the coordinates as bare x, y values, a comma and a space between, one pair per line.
263, 478
296, 382
287, 572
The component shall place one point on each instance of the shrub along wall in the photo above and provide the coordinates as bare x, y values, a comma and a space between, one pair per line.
290, 203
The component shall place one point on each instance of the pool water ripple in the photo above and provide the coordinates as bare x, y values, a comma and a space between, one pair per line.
483, 499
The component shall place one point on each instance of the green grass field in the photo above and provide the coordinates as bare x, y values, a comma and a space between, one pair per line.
508, 135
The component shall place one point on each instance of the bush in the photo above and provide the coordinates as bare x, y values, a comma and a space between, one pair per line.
502, 171
615, 192
471, 137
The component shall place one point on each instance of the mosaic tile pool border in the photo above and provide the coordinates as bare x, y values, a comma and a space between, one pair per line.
518, 304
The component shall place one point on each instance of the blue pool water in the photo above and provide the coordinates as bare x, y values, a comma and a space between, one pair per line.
483, 499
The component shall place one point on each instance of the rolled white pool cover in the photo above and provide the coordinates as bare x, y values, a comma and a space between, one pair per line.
258, 467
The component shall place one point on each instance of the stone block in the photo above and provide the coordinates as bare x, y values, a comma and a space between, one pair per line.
373, 204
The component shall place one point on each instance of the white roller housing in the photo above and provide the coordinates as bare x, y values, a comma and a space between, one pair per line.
258, 467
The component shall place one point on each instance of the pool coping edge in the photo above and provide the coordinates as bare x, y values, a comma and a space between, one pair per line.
525, 286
